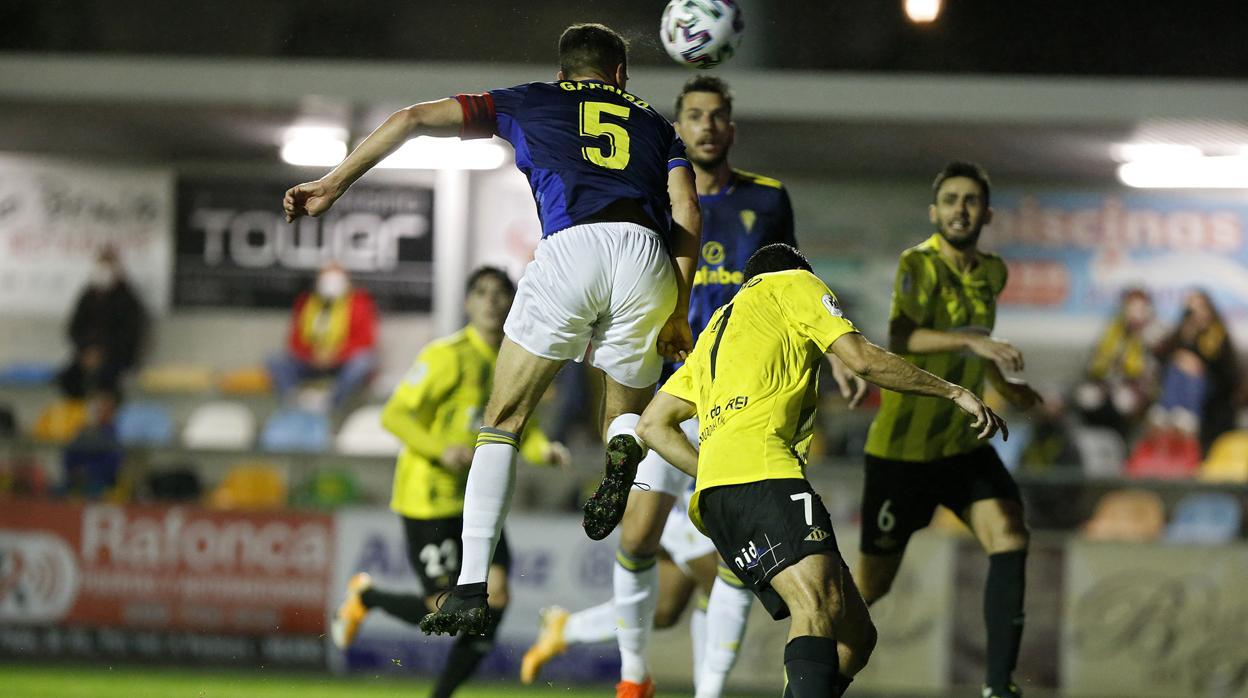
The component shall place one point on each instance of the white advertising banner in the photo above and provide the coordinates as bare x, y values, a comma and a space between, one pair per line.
55, 216
1155, 620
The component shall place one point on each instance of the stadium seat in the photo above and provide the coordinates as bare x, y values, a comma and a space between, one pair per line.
1164, 455
24, 374
176, 378
1136, 516
1227, 460
250, 485
245, 381
295, 431
1101, 450
362, 434
61, 421
329, 489
144, 424
220, 424
1205, 519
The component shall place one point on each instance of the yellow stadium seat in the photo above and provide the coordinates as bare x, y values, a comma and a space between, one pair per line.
1227, 460
250, 485
61, 421
245, 381
1136, 516
176, 378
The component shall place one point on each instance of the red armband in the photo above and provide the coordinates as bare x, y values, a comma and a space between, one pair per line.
479, 117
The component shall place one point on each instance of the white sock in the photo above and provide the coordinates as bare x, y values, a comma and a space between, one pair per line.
594, 624
726, 613
626, 424
636, 594
697, 634
487, 496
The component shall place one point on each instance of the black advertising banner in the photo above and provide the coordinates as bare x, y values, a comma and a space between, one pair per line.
235, 249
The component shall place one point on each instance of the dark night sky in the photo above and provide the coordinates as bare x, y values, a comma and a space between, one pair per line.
1061, 37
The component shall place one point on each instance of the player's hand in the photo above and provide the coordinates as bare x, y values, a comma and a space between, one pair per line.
1020, 394
853, 387
558, 455
999, 351
456, 457
309, 199
675, 338
987, 422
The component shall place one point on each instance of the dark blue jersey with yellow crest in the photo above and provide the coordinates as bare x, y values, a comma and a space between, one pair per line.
583, 145
750, 212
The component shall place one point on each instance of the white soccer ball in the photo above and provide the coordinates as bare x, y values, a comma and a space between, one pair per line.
701, 33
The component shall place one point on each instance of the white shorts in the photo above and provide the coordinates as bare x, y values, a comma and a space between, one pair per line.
600, 291
681, 539
657, 475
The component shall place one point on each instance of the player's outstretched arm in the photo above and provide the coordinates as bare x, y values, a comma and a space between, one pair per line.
889, 371
660, 429
907, 338
675, 338
442, 117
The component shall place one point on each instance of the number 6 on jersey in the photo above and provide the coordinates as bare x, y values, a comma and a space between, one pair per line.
613, 156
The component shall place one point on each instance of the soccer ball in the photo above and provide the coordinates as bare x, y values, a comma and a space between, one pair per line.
701, 33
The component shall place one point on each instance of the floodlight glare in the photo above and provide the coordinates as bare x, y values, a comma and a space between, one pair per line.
923, 11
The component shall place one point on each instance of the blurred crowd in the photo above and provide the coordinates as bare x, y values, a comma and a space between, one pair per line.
1153, 401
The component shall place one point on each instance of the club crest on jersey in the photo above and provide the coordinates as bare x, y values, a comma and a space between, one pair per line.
833, 307
817, 535
747, 219
713, 252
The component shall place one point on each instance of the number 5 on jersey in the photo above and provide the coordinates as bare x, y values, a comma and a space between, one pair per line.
614, 155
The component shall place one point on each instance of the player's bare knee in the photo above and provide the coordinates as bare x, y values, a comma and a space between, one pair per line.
1009, 539
666, 615
638, 541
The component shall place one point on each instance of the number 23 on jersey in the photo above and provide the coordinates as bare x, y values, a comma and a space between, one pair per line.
614, 154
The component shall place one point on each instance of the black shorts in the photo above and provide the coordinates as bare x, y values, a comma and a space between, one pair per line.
761, 528
434, 549
900, 497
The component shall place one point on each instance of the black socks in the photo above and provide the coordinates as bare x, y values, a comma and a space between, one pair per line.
1003, 614
812, 668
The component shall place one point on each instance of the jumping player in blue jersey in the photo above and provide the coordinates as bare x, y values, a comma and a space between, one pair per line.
610, 280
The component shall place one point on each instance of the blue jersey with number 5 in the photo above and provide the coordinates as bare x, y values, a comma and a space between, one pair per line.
583, 145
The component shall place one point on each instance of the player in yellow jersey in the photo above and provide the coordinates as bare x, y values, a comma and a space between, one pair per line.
436, 412
752, 382
918, 452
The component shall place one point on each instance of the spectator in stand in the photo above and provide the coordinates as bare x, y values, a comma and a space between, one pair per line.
1121, 377
108, 330
333, 333
1200, 373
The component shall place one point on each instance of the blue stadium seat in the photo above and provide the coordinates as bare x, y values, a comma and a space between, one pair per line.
23, 374
1205, 519
144, 424
296, 431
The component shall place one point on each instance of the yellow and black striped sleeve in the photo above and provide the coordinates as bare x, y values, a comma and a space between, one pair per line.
913, 287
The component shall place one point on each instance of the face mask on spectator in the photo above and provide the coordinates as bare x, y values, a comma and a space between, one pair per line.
332, 285
102, 276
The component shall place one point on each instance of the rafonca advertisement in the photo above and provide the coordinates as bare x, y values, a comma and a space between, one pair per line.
165, 572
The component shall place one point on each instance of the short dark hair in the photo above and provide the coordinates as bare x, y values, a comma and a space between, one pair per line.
596, 48
482, 272
970, 170
705, 83
775, 257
